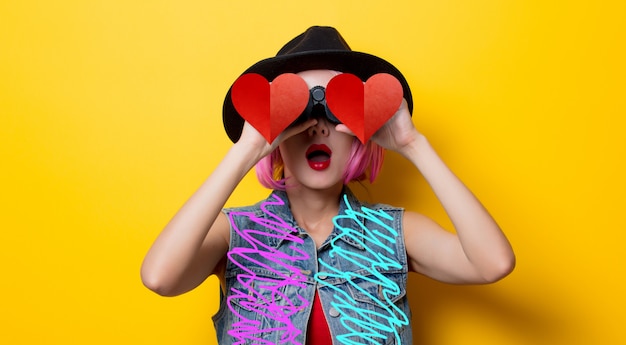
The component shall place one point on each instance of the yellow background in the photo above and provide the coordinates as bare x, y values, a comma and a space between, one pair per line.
111, 117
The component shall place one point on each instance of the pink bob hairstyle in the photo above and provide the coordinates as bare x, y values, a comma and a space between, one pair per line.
363, 159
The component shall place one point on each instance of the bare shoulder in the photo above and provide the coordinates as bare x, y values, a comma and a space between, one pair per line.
430, 247
221, 229
216, 244
417, 225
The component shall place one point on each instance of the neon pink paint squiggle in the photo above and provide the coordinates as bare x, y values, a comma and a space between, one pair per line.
268, 273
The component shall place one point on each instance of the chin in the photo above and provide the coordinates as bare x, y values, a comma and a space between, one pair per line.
326, 185
319, 184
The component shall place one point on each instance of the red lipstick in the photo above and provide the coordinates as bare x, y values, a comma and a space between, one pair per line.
318, 156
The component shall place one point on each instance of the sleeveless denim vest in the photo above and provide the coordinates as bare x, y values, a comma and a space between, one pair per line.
274, 269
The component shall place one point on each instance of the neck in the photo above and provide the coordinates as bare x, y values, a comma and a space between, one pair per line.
314, 210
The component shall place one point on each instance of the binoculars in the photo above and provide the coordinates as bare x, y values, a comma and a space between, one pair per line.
317, 108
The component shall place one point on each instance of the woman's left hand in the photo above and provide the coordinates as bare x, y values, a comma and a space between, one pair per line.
397, 133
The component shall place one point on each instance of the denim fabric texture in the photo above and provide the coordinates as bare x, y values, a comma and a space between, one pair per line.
274, 269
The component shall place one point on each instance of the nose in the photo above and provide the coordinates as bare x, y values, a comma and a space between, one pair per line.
321, 128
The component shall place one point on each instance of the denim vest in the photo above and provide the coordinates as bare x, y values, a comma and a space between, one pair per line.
274, 269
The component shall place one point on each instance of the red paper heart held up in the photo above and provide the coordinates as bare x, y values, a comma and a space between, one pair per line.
364, 107
270, 107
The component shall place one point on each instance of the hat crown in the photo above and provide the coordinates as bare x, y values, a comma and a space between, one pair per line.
316, 38
319, 47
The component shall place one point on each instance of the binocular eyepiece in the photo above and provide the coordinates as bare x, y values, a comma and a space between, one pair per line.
317, 107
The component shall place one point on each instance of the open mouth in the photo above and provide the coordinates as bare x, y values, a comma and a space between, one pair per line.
318, 156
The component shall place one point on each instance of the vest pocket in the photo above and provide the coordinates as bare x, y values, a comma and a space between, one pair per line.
380, 290
373, 308
264, 306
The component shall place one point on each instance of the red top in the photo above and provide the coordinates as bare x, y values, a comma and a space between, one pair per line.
318, 332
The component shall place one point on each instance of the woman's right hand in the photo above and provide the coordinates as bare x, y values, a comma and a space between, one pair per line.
193, 243
253, 140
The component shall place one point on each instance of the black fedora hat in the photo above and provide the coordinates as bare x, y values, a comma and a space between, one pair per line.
319, 47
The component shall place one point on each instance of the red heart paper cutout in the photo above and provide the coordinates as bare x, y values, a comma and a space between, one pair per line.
270, 107
364, 107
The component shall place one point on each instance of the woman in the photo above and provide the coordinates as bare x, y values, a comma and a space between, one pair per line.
311, 263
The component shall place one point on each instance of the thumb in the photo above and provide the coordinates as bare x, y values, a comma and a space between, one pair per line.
344, 129
293, 130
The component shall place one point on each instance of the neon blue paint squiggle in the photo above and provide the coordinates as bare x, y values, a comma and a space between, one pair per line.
365, 325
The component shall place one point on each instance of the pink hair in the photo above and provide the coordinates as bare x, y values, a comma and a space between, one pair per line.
269, 170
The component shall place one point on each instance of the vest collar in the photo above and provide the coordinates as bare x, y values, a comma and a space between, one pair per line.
347, 202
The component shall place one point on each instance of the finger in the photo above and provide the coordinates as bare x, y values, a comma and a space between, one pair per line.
404, 105
344, 129
299, 128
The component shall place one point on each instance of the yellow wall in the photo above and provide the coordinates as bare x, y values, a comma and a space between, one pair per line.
110, 116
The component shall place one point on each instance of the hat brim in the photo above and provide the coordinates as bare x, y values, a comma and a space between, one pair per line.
362, 65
